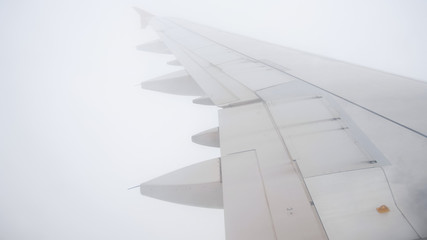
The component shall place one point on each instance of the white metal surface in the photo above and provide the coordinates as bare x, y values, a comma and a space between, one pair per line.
347, 204
249, 128
209, 137
179, 83
350, 137
174, 63
203, 101
406, 151
156, 46
247, 211
318, 134
220, 87
400, 99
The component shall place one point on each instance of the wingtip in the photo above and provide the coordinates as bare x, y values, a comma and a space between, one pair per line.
144, 15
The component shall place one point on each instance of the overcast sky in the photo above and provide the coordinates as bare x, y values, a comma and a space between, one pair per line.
76, 130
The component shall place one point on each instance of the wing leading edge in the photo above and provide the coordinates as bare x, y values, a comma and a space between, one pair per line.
303, 155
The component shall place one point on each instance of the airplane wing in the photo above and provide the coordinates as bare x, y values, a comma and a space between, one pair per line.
311, 148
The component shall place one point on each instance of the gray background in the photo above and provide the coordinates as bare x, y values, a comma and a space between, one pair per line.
76, 130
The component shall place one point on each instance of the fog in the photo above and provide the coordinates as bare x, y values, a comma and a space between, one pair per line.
76, 130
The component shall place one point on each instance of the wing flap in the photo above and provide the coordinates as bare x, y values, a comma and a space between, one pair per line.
247, 212
254, 156
347, 203
317, 132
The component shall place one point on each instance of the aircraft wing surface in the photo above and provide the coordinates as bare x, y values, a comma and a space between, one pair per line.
311, 148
